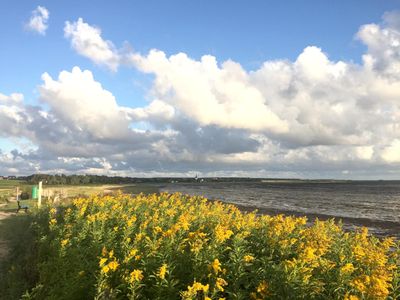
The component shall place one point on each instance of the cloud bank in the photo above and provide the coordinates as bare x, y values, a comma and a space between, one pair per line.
311, 117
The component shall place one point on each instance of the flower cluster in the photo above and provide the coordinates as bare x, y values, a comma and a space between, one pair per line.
168, 246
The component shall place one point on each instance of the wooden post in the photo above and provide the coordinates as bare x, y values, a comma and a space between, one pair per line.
40, 194
17, 194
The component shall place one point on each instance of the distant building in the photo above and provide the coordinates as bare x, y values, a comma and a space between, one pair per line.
1, 177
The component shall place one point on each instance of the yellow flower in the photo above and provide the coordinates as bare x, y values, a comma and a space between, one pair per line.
248, 258
216, 266
162, 271
157, 229
113, 265
136, 276
220, 283
359, 283
222, 233
347, 269
102, 261
52, 222
308, 254
193, 289
131, 221
64, 242
105, 269
91, 218
262, 288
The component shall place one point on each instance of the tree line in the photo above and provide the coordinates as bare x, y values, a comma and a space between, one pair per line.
62, 179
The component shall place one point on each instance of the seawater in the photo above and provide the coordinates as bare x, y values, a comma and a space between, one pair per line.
373, 204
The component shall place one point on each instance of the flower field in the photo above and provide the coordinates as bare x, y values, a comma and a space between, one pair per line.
179, 247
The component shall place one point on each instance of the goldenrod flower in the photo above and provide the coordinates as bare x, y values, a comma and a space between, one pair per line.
220, 283
102, 261
105, 269
216, 266
162, 271
262, 288
347, 269
248, 258
193, 289
64, 242
113, 265
222, 233
135, 276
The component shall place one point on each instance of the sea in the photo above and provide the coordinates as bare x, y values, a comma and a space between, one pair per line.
371, 204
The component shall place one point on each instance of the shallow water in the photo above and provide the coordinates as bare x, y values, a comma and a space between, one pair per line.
374, 204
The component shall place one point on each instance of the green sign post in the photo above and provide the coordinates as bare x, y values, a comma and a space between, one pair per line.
34, 192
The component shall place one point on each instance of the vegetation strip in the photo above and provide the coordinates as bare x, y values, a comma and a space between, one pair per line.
165, 246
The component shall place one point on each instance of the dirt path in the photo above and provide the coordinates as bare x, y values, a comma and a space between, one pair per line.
3, 243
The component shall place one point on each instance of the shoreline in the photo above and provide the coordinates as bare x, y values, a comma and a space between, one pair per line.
379, 228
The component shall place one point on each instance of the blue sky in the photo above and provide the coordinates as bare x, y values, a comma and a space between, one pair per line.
249, 34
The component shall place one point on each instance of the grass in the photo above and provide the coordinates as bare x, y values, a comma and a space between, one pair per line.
12, 206
69, 191
7, 189
6, 183
20, 237
145, 188
63, 193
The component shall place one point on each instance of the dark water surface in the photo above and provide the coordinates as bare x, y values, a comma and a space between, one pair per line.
374, 204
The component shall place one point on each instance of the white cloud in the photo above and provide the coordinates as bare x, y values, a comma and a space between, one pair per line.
312, 101
157, 111
364, 152
38, 20
208, 93
312, 116
81, 102
383, 44
391, 153
87, 41
14, 98
12, 115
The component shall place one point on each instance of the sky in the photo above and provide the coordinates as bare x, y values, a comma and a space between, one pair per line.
284, 89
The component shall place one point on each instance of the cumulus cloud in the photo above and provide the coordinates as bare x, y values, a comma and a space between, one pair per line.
81, 102
311, 101
38, 20
87, 41
383, 42
311, 117
208, 93
12, 115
